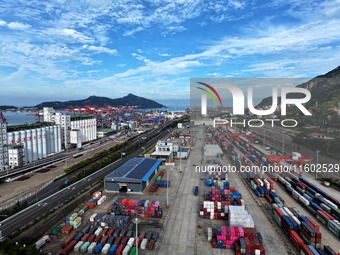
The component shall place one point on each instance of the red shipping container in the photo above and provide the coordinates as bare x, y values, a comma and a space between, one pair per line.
124, 241
111, 231
313, 222
104, 239
85, 237
104, 232
328, 215
119, 250
97, 239
68, 239
293, 212
151, 244
306, 250
317, 233
118, 240
296, 240
91, 239
68, 248
278, 212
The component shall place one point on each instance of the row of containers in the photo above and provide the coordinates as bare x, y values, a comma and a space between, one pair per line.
302, 231
320, 204
226, 203
320, 207
134, 207
243, 240
155, 186
215, 205
113, 240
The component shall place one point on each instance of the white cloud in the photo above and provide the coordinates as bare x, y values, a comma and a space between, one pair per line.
100, 49
214, 74
164, 54
2, 23
70, 34
18, 26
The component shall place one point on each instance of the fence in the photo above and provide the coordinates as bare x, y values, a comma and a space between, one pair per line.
26, 197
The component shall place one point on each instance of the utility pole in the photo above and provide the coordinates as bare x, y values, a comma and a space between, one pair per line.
317, 162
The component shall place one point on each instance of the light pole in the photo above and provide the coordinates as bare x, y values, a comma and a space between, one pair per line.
122, 154
136, 220
317, 162
264, 136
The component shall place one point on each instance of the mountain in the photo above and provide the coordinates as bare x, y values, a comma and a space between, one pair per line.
325, 89
130, 99
4, 107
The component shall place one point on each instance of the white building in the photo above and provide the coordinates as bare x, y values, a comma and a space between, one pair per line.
164, 150
64, 120
38, 141
75, 137
3, 142
86, 124
212, 150
16, 155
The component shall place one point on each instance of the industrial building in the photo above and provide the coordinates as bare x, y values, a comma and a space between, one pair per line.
164, 150
86, 124
3, 142
105, 132
15, 155
38, 140
64, 120
134, 176
212, 150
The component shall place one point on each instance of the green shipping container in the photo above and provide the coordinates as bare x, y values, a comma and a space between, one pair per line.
133, 251
56, 230
83, 248
159, 178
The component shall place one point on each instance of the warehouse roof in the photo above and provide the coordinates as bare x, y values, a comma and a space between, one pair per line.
161, 153
29, 126
137, 169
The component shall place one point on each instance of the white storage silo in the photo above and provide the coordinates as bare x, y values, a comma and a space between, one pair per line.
17, 139
55, 131
29, 150
39, 143
60, 138
94, 129
10, 138
44, 142
50, 140
35, 155
23, 142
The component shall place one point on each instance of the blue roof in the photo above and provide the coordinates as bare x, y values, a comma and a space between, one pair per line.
137, 169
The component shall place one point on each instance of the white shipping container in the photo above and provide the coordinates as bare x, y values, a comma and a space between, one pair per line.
98, 231
209, 234
106, 248
131, 241
144, 244
127, 250
77, 246
101, 200
91, 248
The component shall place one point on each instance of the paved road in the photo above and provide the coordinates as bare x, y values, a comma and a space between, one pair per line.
22, 218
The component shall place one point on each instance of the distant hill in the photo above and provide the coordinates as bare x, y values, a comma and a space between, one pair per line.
130, 99
325, 89
4, 107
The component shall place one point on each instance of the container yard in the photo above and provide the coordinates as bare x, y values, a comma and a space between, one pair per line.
205, 212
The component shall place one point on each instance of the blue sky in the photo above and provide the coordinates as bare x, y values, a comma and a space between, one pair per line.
62, 50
